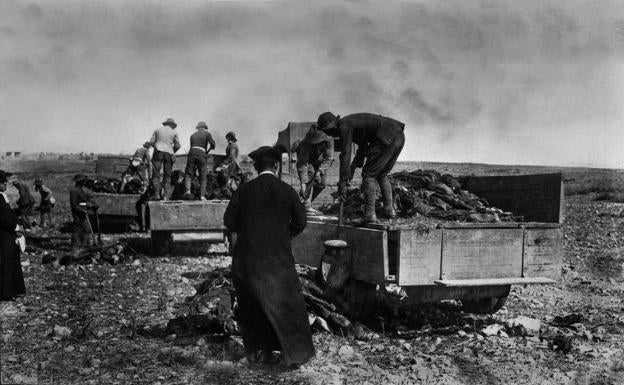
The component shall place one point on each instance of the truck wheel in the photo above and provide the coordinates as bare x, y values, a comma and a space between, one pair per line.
485, 305
359, 299
161, 242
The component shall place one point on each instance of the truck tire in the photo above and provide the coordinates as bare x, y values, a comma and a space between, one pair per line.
359, 299
161, 242
485, 305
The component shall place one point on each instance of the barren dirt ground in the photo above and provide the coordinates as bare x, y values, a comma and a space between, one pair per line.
103, 306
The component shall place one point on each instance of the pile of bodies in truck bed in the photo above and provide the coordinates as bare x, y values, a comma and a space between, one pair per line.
215, 186
427, 194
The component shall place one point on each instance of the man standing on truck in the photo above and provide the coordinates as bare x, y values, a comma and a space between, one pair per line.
201, 144
315, 154
229, 170
265, 214
139, 167
379, 141
166, 143
81, 204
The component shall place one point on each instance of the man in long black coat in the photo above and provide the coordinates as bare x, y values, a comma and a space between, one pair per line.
11, 277
379, 141
265, 214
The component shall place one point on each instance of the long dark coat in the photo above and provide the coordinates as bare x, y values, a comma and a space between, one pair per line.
11, 277
266, 213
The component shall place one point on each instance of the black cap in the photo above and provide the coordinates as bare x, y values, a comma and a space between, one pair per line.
266, 152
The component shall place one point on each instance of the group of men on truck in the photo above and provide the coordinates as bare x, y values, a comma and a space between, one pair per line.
379, 141
153, 162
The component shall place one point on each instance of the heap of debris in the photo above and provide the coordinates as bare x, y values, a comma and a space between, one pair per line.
427, 194
212, 310
112, 254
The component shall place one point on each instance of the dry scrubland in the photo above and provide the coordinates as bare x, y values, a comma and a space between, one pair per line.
103, 307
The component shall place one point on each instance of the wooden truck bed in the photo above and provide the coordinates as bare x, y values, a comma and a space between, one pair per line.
452, 255
458, 254
171, 219
117, 210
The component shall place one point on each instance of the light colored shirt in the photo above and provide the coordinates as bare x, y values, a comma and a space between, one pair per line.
165, 139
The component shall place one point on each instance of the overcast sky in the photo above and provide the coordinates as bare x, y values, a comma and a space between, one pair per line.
515, 82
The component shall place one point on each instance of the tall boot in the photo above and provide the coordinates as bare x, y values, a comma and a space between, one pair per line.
370, 194
386, 194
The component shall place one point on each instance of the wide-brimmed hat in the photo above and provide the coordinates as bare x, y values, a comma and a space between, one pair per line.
170, 122
201, 125
315, 136
231, 136
4, 176
80, 178
266, 152
325, 119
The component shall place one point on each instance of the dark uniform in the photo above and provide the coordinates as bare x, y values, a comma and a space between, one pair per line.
11, 276
81, 204
380, 140
265, 214
315, 154
25, 203
201, 144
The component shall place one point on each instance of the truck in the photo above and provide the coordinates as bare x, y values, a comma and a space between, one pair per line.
119, 211
473, 262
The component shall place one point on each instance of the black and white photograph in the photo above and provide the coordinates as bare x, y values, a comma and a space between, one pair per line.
328, 192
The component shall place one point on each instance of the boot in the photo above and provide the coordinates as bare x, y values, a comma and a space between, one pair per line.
386, 194
370, 194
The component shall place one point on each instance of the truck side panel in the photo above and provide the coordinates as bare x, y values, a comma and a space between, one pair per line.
117, 204
419, 257
368, 249
186, 215
543, 253
537, 197
481, 253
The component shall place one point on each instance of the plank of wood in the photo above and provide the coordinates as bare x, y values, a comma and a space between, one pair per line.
117, 204
368, 249
543, 252
537, 197
481, 253
186, 215
494, 281
419, 257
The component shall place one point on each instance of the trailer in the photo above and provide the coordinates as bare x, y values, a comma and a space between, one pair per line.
473, 262
172, 221
119, 211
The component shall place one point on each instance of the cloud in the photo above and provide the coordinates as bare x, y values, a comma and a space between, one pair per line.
101, 76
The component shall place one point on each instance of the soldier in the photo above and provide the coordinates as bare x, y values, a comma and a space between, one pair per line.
25, 204
81, 204
46, 204
379, 141
315, 154
166, 143
139, 168
201, 144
